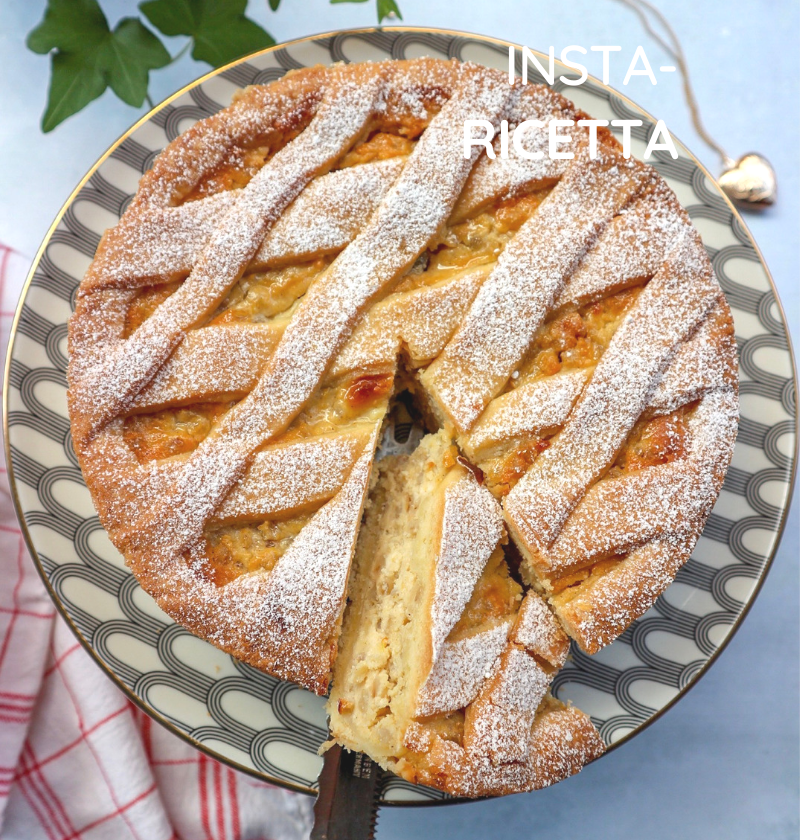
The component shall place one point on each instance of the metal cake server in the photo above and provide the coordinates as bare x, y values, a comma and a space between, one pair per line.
347, 801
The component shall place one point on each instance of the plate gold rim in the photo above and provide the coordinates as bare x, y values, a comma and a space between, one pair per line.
135, 699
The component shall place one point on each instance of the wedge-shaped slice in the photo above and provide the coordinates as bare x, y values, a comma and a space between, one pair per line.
441, 663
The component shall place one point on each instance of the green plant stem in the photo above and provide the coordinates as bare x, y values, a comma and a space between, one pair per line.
149, 101
181, 52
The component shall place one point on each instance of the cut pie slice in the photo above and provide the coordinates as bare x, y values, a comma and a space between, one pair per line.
444, 666
291, 266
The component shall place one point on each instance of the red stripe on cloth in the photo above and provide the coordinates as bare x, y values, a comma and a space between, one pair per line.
220, 805
203, 795
95, 755
27, 613
38, 813
14, 601
58, 753
171, 762
52, 805
58, 660
16, 705
17, 696
7, 717
234, 800
120, 812
147, 737
9, 530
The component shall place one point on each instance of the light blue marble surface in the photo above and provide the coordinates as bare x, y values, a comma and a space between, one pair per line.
723, 763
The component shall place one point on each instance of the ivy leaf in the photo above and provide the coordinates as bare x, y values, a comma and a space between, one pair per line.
273, 4
170, 17
219, 28
75, 81
128, 56
88, 57
71, 26
386, 8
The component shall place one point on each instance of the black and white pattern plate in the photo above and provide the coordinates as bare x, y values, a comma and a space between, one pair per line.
272, 728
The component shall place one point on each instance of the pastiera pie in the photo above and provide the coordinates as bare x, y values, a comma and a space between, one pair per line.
291, 267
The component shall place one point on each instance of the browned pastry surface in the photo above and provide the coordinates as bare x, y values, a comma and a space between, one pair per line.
288, 266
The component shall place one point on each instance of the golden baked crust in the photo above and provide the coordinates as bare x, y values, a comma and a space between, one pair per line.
290, 263
562, 740
444, 667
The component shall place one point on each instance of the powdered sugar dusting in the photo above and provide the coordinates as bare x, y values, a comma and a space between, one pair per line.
304, 595
329, 213
619, 514
705, 362
537, 630
119, 376
459, 671
209, 363
625, 592
286, 478
664, 314
165, 242
513, 302
412, 212
590, 237
422, 319
632, 247
472, 525
531, 409
505, 177
498, 723
560, 742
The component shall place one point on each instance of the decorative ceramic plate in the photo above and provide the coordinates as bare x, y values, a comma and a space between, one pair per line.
271, 728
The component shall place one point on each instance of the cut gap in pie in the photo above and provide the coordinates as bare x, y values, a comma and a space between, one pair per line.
321, 251
435, 634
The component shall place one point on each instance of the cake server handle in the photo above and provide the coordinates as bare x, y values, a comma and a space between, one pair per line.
347, 801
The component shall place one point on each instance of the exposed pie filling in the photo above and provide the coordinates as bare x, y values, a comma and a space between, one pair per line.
145, 303
573, 338
172, 431
268, 379
379, 146
261, 295
496, 595
234, 174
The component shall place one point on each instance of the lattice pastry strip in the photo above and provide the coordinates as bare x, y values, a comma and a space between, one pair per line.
283, 479
561, 740
631, 248
212, 362
459, 672
652, 515
297, 624
340, 120
701, 364
497, 668
421, 320
309, 380
504, 177
411, 213
668, 309
512, 304
164, 243
471, 529
291, 477
497, 723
